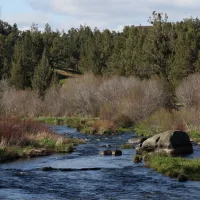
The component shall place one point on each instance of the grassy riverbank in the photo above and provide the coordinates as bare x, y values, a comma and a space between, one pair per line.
174, 166
22, 139
87, 125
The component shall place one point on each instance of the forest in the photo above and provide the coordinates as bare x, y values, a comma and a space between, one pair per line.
170, 51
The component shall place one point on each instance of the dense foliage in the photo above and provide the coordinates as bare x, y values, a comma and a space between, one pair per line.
168, 50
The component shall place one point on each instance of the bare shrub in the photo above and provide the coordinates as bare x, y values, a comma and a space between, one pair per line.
112, 99
20, 103
15, 131
188, 91
80, 95
53, 103
129, 97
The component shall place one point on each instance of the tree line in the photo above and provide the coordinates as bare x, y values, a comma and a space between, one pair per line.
168, 50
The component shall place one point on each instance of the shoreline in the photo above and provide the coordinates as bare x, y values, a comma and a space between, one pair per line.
28, 138
87, 125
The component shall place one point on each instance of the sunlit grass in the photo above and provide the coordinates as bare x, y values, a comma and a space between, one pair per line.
175, 166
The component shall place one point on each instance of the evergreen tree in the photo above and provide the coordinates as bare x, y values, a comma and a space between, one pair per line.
43, 75
18, 77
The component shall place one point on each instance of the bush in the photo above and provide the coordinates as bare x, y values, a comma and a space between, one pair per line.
16, 132
163, 120
119, 99
188, 92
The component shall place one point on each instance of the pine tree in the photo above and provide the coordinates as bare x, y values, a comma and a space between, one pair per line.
17, 73
42, 76
29, 58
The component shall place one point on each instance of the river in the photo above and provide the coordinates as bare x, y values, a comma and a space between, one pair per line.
119, 178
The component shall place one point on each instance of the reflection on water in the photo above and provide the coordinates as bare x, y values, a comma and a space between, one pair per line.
120, 178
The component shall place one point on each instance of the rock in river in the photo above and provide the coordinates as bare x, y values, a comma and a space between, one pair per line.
172, 142
117, 153
110, 153
106, 153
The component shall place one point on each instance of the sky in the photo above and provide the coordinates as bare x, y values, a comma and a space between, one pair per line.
111, 14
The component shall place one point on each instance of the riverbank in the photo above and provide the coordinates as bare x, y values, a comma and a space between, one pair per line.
159, 122
25, 138
89, 125
175, 167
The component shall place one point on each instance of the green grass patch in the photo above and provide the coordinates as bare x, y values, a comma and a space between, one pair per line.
174, 166
47, 143
74, 122
126, 130
39, 147
195, 135
142, 129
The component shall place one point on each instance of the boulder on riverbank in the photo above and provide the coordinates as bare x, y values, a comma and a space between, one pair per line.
171, 142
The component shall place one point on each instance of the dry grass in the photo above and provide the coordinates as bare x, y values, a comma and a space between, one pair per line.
104, 126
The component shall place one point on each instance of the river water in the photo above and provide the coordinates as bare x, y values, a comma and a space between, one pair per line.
119, 179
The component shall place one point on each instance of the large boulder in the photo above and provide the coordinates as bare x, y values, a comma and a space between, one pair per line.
172, 142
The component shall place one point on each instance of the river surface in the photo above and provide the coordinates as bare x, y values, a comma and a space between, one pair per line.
120, 178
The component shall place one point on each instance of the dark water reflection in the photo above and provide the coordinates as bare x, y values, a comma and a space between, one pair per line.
119, 179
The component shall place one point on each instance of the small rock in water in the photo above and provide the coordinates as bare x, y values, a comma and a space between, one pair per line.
47, 169
117, 153
182, 178
22, 173
106, 153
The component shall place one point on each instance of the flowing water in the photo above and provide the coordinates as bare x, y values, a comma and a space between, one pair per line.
119, 178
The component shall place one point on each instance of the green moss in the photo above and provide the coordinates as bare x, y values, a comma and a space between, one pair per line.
175, 166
